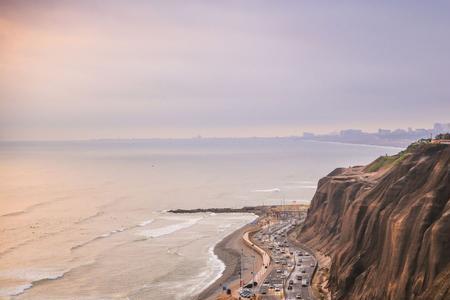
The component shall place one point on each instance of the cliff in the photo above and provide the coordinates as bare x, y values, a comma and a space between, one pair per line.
386, 226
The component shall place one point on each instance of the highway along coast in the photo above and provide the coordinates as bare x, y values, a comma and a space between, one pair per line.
262, 261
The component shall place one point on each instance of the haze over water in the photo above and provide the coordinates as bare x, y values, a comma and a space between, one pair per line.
87, 219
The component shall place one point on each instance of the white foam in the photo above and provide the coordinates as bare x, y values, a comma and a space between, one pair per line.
223, 227
214, 271
211, 268
267, 190
166, 230
30, 275
14, 290
112, 232
216, 264
146, 222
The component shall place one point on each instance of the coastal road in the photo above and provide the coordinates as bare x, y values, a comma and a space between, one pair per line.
292, 265
273, 240
301, 276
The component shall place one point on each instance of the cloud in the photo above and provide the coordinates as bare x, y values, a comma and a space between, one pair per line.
87, 69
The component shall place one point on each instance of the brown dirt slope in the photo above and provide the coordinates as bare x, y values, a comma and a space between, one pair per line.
386, 226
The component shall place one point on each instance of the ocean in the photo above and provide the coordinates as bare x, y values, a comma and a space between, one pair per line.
89, 220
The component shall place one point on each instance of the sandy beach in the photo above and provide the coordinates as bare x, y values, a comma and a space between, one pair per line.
229, 251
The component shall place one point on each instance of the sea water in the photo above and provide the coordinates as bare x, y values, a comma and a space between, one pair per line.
89, 220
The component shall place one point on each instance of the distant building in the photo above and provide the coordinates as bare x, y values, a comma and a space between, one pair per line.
441, 128
384, 131
308, 135
386, 137
351, 132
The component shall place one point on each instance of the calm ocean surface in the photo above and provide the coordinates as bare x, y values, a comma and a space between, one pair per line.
87, 220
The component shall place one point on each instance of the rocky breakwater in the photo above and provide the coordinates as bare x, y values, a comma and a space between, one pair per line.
386, 226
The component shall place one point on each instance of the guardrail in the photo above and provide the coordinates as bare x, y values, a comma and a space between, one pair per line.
247, 240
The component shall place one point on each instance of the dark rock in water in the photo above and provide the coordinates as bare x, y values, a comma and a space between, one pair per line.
248, 209
386, 226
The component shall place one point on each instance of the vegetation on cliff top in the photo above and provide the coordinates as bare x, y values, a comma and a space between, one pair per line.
387, 161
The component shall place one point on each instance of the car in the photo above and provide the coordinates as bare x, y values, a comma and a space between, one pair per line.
305, 282
277, 289
279, 271
312, 265
289, 287
299, 264
303, 271
291, 282
266, 281
245, 293
298, 296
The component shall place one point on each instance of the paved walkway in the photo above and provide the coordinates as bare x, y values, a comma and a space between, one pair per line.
259, 276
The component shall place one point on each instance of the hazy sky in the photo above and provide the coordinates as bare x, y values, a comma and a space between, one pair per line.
110, 69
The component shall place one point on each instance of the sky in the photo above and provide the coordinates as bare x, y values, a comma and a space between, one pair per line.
144, 69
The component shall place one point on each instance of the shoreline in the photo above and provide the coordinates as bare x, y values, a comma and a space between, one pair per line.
229, 249
227, 252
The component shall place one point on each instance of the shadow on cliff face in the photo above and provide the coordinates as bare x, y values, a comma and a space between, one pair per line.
386, 226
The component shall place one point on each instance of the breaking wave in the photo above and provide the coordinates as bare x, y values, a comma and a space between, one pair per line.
32, 276
110, 233
169, 229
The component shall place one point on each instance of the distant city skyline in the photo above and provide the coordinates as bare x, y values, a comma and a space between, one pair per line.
178, 69
400, 137
438, 127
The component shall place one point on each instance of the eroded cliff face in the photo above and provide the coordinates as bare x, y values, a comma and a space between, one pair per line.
386, 226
